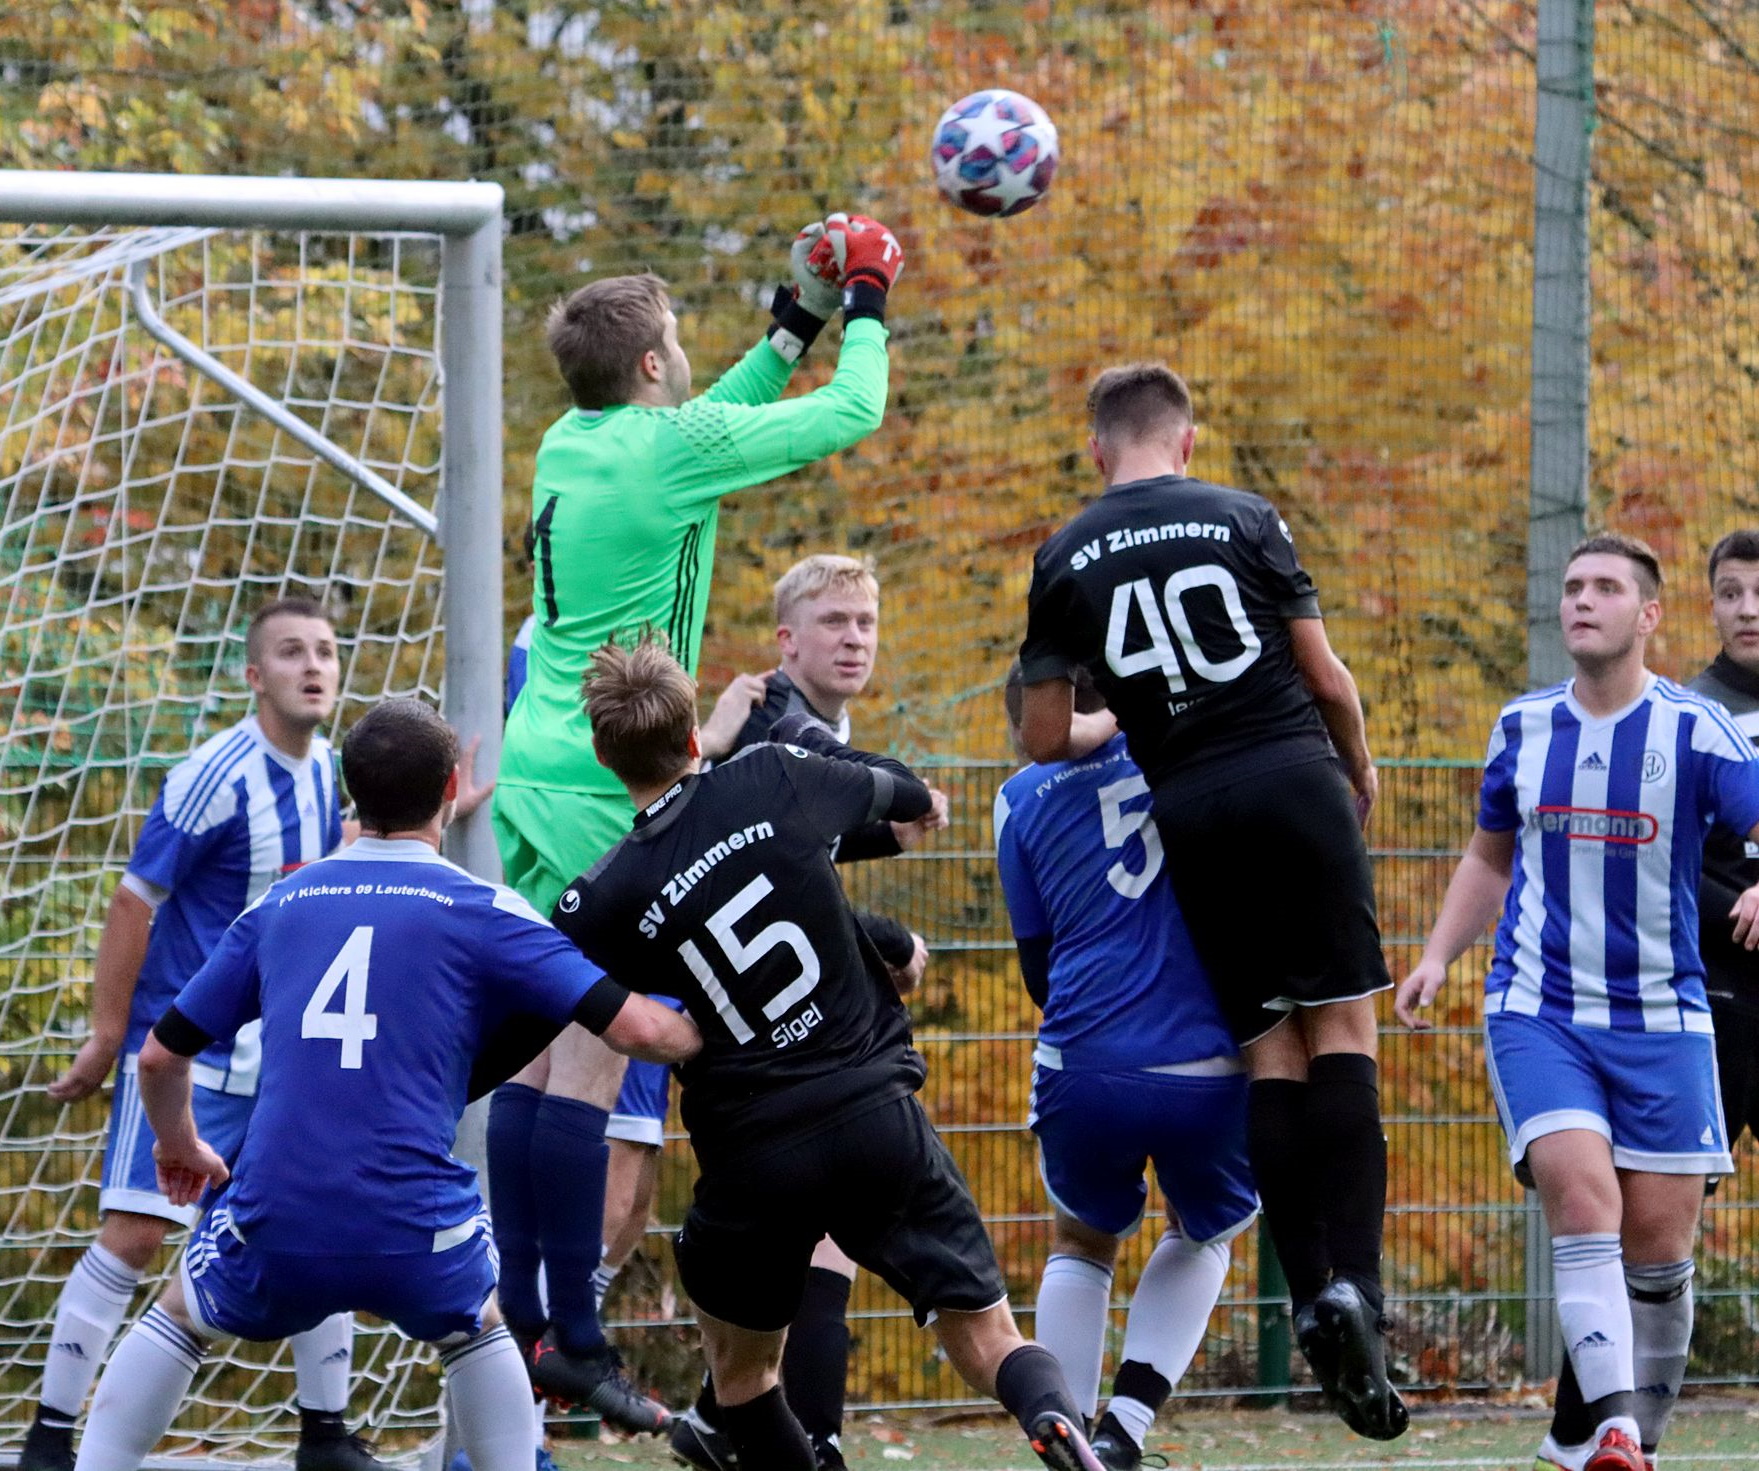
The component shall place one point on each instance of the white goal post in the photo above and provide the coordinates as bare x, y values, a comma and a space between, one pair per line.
215, 391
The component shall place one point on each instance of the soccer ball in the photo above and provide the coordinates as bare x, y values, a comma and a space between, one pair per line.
994, 152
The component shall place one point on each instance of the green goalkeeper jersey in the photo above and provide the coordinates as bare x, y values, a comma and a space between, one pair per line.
625, 505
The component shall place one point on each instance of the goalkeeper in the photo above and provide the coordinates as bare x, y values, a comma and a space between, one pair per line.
625, 502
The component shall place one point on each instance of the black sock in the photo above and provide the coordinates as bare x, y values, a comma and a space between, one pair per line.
569, 1156
1571, 1424
1030, 1381
57, 1422
766, 1434
1276, 1141
1348, 1149
707, 1406
815, 1363
321, 1424
1619, 1402
512, 1116
1142, 1383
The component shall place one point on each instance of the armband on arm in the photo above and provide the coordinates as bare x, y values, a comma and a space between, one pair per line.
179, 1035
899, 794
599, 1007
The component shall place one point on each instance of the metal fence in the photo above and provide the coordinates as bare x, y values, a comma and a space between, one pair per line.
1471, 1303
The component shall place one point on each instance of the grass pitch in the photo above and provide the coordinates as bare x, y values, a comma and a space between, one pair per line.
1231, 1440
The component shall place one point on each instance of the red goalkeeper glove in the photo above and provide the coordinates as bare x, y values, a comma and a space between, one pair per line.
866, 256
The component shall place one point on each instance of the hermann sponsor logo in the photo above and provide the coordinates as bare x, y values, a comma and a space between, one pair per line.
1595, 824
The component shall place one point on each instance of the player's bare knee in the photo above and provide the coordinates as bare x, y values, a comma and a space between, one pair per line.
742, 1362
1660, 1217
976, 1343
1279, 1053
1339, 1026
1070, 1237
583, 1068
133, 1238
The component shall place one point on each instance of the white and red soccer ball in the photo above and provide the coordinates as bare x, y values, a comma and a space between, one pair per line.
994, 152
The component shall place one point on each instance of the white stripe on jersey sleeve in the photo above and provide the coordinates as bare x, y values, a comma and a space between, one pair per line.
199, 792
1655, 896
512, 903
999, 815
1526, 988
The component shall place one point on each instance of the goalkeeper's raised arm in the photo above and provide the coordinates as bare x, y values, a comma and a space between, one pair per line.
625, 502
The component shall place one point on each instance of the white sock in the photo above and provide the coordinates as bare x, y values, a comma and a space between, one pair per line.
1594, 1312
140, 1393
1168, 1317
1074, 1300
601, 1283
538, 1410
93, 1304
490, 1390
323, 1358
1661, 1337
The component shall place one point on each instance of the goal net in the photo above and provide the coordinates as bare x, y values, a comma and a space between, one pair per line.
148, 510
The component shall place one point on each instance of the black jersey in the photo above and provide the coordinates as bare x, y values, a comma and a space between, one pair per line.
724, 896
1731, 859
1176, 594
782, 698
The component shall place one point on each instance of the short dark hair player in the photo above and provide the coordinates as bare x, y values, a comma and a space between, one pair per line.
801, 1106
1186, 602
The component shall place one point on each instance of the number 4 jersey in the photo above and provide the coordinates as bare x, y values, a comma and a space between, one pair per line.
1176, 594
392, 985
725, 897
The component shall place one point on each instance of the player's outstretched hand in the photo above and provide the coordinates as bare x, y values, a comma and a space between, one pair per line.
818, 283
470, 795
860, 249
1416, 991
908, 977
721, 730
1745, 914
91, 1066
909, 834
185, 1172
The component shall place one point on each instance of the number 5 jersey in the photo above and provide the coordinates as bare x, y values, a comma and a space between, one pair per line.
1176, 594
725, 897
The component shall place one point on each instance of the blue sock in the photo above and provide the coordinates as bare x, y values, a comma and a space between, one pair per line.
568, 1159
513, 1191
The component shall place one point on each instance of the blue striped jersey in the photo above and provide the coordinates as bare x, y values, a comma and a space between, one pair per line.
229, 820
1081, 862
1600, 927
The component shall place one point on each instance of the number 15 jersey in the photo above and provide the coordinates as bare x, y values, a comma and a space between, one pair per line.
1175, 594
725, 897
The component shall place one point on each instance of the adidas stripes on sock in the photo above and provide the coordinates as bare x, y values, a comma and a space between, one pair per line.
93, 1304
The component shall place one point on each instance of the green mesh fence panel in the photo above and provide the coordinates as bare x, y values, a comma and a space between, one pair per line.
1320, 212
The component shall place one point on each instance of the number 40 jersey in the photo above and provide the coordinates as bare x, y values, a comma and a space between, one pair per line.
724, 896
1176, 595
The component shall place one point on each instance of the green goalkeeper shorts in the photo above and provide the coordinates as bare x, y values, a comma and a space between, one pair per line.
549, 838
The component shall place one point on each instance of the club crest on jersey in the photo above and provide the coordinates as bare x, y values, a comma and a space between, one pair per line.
1595, 824
1654, 766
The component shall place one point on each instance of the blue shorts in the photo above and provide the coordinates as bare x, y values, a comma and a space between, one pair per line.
1652, 1095
1098, 1131
129, 1182
235, 1290
639, 1116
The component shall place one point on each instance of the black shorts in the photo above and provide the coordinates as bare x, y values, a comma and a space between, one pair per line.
1737, 1067
881, 1185
1272, 876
